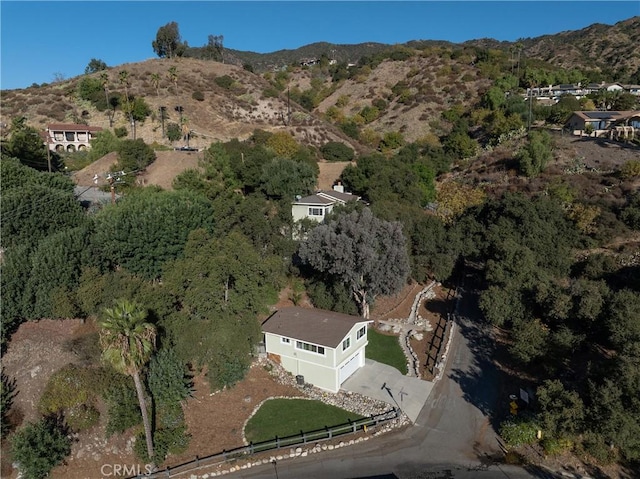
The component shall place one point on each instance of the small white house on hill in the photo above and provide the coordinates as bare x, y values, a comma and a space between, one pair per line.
320, 204
323, 347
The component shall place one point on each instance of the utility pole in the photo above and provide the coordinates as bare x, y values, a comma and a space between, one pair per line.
114, 178
48, 149
163, 110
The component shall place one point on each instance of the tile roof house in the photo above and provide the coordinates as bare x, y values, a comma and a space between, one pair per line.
318, 205
63, 137
322, 347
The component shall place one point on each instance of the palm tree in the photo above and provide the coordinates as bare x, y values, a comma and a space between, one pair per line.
173, 77
127, 342
123, 77
155, 81
104, 78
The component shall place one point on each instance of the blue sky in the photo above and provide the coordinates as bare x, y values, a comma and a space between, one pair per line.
41, 40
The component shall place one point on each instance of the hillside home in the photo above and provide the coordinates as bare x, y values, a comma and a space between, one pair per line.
320, 204
601, 121
553, 93
319, 347
70, 137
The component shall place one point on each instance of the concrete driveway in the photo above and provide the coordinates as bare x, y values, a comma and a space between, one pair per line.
385, 383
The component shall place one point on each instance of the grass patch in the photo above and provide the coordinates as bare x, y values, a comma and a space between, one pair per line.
287, 417
386, 349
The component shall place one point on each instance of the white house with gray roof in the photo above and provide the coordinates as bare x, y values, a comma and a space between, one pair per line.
320, 204
323, 347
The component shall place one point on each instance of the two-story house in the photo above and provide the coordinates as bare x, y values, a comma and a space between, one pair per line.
322, 347
70, 137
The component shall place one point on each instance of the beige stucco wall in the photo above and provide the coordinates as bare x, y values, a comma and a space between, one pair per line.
320, 376
321, 371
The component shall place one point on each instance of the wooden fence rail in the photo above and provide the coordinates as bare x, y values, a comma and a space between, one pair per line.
273, 444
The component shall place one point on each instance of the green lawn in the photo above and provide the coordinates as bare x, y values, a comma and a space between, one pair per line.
386, 349
287, 417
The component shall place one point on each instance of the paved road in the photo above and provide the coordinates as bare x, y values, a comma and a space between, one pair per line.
453, 436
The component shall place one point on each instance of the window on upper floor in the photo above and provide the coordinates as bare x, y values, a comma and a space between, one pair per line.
316, 212
310, 347
346, 344
361, 332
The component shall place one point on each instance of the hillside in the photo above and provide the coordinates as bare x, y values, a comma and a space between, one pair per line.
223, 114
608, 48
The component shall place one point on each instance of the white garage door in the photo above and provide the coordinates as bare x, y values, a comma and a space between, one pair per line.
350, 367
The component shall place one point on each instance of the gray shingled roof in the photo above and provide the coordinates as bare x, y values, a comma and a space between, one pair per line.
316, 326
314, 200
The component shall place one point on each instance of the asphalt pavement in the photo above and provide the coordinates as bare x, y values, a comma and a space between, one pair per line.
386, 383
453, 435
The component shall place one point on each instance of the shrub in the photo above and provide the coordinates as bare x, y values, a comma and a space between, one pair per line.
336, 151
174, 133
120, 131
270, 92
631, 169
225, 81
197, 95
123, 409
380, 104
595, 446
350, 128
70, 392
518, 432
39, 447
7, 393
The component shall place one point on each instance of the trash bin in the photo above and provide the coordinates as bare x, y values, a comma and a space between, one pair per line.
300, 379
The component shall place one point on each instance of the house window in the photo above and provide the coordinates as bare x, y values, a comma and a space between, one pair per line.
310, 347
361, 332
346, 343
316, 212
285, 340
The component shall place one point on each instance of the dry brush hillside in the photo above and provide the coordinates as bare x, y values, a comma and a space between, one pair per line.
222, 115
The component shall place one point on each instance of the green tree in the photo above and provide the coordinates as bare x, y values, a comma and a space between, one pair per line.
561, 410
39, 447
367, 254
127, 342
7, 394
169, 384
460, 145
27, 145
336, 151
56, 264
169, 380
95, 65
533, 158
168, 41
134, 155
103, 143
284, 178
148, 228
32, 212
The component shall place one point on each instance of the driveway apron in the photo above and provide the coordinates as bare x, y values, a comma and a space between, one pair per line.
386, 383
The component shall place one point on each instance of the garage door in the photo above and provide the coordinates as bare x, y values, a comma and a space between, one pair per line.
350, 367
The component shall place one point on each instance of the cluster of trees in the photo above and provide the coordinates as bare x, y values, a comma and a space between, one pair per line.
169, 44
